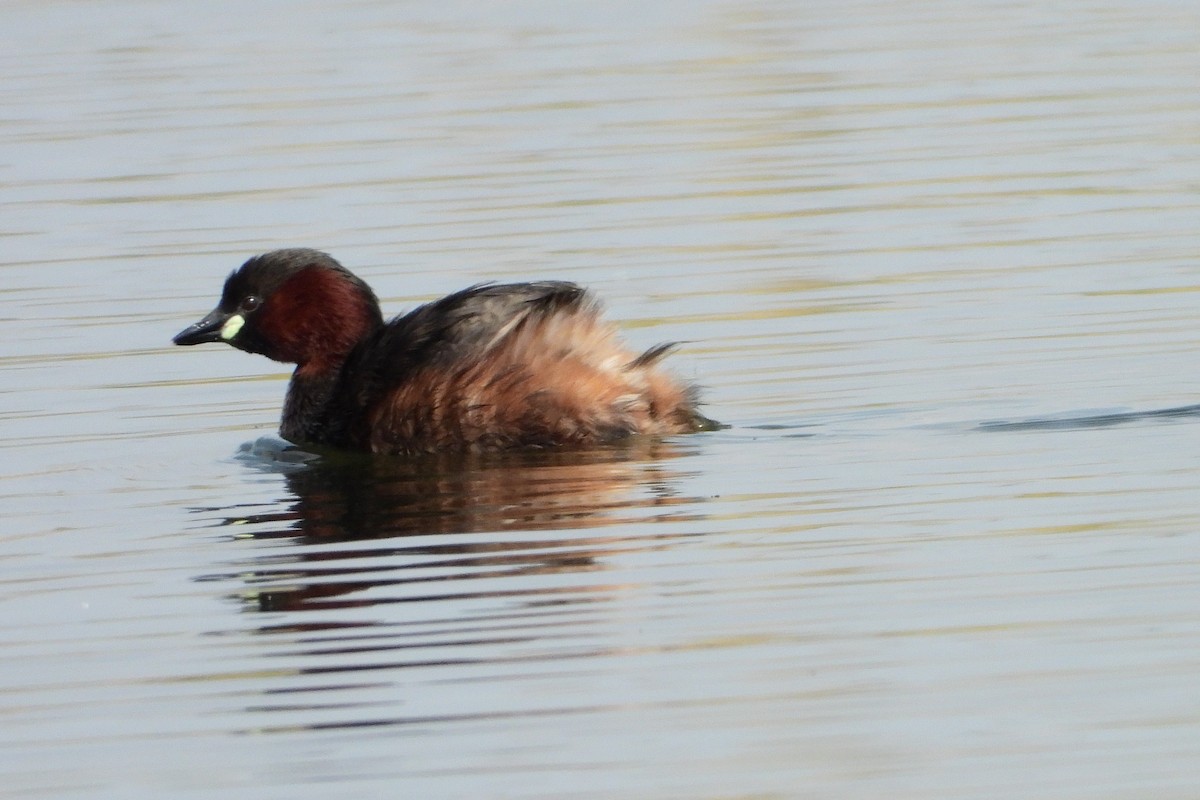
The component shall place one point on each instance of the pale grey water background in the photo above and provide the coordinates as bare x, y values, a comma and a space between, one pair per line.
879, 225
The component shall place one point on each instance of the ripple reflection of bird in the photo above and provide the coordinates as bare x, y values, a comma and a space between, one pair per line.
342, 499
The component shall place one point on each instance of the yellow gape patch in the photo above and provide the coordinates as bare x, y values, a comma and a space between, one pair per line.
232, 326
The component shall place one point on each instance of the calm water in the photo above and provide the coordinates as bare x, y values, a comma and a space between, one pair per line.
936, 265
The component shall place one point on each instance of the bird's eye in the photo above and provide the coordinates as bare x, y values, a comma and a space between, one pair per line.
250, 302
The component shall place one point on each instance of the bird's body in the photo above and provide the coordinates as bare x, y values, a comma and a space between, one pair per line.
492, 367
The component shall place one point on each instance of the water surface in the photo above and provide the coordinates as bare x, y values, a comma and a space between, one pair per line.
934, 264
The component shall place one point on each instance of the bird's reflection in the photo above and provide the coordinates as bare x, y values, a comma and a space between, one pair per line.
449, 519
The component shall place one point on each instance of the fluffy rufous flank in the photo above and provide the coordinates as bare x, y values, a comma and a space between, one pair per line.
549, 380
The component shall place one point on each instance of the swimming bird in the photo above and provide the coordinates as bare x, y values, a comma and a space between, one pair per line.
491, 367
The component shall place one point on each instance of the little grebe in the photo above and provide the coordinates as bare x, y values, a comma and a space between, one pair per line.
487, 368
